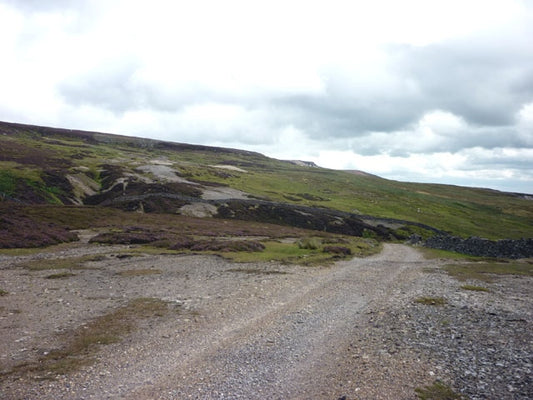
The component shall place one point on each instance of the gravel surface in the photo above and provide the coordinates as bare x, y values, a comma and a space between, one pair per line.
270, 331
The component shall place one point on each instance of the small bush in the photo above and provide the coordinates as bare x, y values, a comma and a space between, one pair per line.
130, 236
182, 243
309, 243
17, 231
340, 250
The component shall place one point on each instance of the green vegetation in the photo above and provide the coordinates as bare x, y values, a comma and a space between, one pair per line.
3, 292
294, 253
8, 183
36, 162
486, 271
71, 263
309, 243
432, 254
431, 301
83, 342
437, 391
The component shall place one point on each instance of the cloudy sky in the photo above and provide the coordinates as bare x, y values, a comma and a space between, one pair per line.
418, 90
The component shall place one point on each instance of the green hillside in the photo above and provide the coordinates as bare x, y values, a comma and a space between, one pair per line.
55, 166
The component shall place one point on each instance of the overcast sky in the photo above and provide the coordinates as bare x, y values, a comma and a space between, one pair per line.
417, 90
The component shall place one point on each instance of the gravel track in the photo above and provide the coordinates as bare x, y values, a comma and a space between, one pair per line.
257, 331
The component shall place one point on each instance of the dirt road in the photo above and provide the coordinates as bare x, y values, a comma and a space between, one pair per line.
262, 331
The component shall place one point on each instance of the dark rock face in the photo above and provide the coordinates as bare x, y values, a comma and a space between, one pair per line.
475, 246
318, 219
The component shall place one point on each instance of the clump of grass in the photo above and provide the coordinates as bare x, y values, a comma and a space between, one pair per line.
139, 272
475, 288
432, 254
84, 341
431, 301
290, 253
437, 391
485, 271
340, 250
309, 243
60, 275
61, 263
3, 292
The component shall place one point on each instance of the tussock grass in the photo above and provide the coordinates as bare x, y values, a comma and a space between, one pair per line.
309, 243
431, 301
437, 391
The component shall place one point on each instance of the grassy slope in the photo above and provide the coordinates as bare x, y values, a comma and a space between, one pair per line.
30, 153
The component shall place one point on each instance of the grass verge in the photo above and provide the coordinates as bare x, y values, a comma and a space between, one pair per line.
485, 271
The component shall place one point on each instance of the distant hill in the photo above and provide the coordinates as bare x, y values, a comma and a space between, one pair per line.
42, 165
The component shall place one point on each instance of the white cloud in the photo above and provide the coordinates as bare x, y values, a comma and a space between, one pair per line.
438, 90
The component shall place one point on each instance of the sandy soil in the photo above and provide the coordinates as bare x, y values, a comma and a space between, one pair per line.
251, 331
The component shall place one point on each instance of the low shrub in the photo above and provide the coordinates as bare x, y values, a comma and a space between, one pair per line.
218, 245
18, 231
340, 250
130, 236
309, 243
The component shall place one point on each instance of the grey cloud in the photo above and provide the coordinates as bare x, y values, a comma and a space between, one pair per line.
111, 87
471, 80
485, 81
497, 161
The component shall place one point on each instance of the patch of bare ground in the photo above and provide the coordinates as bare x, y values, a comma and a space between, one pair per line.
263, 330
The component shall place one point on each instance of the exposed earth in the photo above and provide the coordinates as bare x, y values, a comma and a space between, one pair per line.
352, 330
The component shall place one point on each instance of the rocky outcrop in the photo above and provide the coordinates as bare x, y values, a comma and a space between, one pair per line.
475, 246
314, 218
